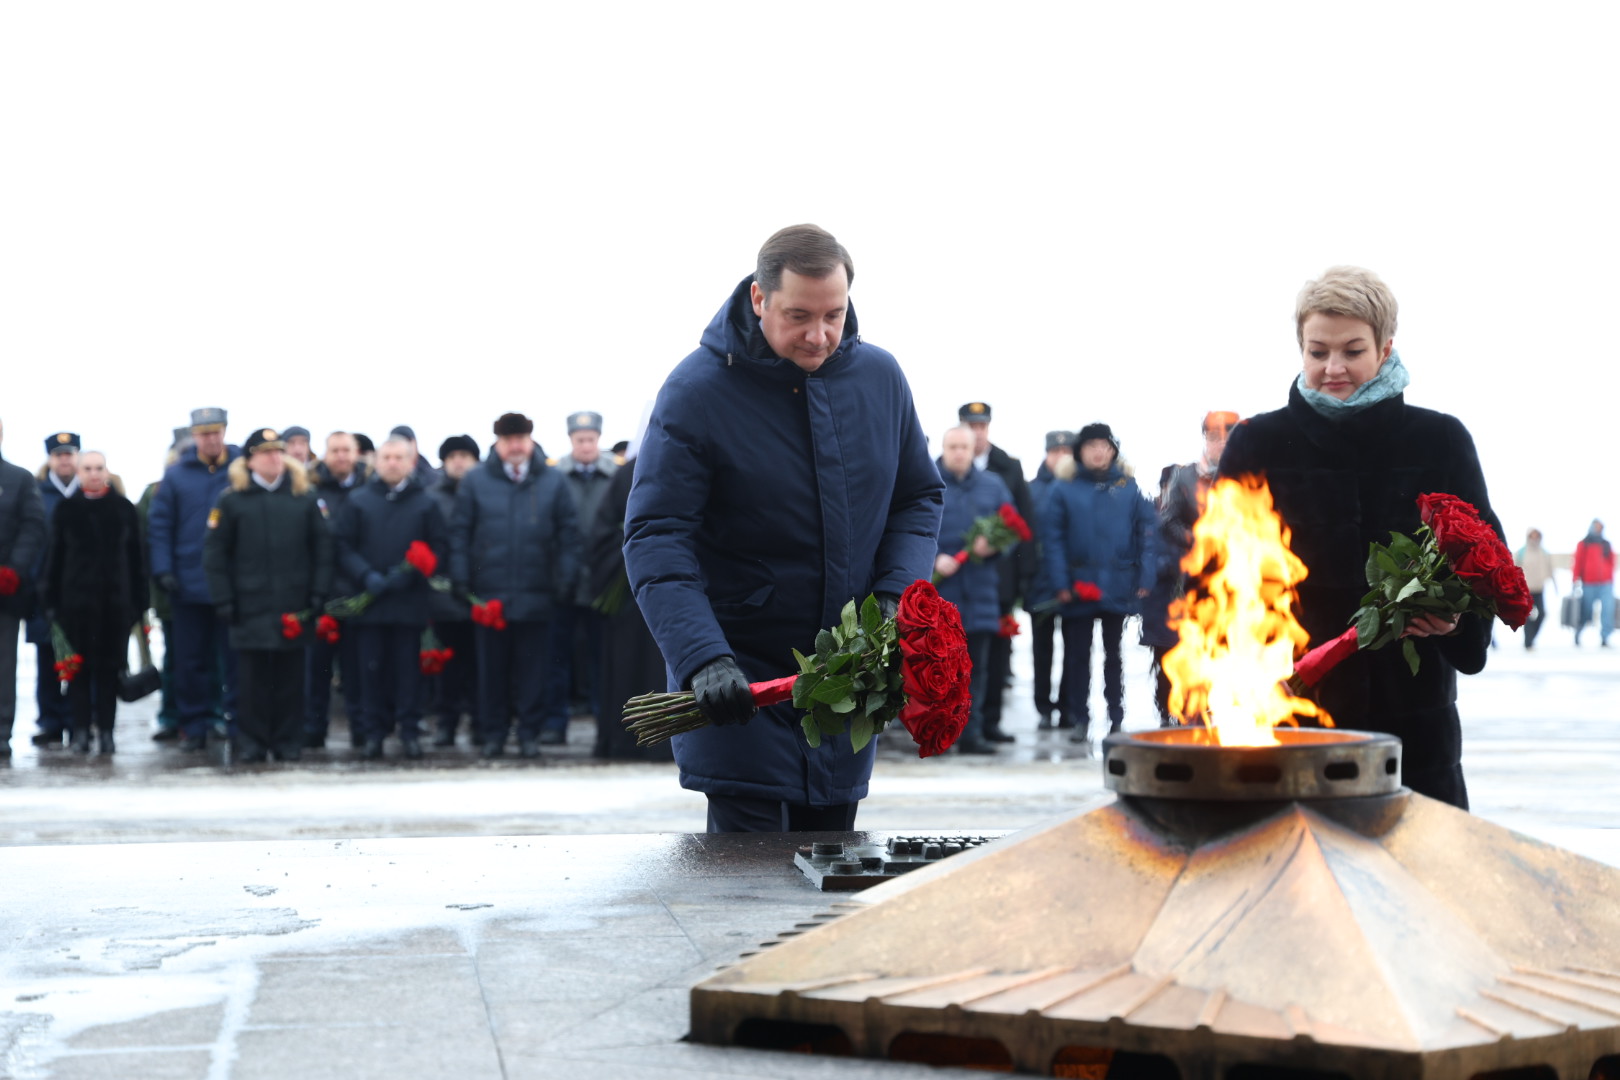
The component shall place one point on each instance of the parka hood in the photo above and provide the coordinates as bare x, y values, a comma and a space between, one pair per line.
297, 479
734, 334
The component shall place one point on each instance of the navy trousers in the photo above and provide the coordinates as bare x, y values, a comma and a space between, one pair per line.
574, 625
200, 645
318, 661
733, 814
55, 712
390, 680
512, 676
271, 701
1077, 633
453, 693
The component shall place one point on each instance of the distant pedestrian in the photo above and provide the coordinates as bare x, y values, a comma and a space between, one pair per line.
453, 692
22, 539
333, 478
95, 589
578, 628
377, 527
205, 664
1057, 467
296, 440
1593, 571
515, 538
1537, 564
58, 480
1101, 555
269, 556
973, 586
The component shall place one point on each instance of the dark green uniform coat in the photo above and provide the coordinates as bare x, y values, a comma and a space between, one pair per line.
268, 553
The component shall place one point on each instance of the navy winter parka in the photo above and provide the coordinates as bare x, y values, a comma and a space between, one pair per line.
975, 588
1099, 528
374, 530
177, 525
517, 543
765, 499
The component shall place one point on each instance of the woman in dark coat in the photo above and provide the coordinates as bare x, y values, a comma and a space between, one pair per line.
95, 588
1346, 460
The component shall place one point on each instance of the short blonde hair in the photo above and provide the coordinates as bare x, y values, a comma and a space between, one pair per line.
1353, 293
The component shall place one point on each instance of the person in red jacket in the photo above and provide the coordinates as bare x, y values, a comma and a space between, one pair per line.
1593, 571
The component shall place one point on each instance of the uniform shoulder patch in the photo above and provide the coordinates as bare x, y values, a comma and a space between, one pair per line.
213, 518
325, 512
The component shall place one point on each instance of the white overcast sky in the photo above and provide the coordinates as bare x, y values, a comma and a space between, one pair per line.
361, 214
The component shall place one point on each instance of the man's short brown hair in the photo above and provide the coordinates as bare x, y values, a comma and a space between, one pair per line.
804, 249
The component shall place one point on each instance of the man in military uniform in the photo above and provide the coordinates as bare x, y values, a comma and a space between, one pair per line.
578, 625
178, 530
22, 539
58, 480
1016, 571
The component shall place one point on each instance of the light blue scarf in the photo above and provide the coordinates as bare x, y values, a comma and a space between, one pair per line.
1391, 379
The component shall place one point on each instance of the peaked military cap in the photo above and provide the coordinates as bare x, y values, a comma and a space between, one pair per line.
585, 421
62, 440
181, 435
207, 420
974, 412
263, 439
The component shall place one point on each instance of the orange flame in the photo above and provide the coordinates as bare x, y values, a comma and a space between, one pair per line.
1237, 626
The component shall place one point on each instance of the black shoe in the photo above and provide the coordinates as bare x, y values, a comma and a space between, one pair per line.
252, 757
51, 740
552, 738
529, 748
193, 743
975, 746
445, 737
494, 749
105, 744
1081, 735
81, 742
999, 736
166, 734
373, 750
1046, 723
291, 753
411, 746
314, 742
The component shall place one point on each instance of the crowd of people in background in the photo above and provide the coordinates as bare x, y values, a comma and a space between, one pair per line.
235, 539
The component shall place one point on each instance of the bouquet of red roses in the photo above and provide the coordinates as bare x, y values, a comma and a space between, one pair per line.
1000, 530
418, 557
433, 655
865, 671
1456, 565
68, 662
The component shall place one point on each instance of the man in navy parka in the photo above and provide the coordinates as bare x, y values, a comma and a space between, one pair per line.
783, 474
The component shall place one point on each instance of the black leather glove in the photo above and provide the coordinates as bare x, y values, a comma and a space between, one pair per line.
226, 613
888, 604
375, 584
722, 692
168, 583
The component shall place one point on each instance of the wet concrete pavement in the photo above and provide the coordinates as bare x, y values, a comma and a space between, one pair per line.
456, 917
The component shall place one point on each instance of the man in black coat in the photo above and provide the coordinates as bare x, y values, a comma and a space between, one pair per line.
58, 479
268, 556
96, 590
378, 525
454, 691
515, 538
1017, 571
337, 474
22, 538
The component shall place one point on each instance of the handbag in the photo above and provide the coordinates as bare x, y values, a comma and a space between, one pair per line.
132, 686
1569, 612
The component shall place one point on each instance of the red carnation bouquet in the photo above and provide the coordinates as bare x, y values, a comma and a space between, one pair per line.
1000, 530
487, 612
1086, 592
328, 629
1455, 566
1009, 627
9, 581
433, 655
68, 662
864, 672
418, 557
292, 625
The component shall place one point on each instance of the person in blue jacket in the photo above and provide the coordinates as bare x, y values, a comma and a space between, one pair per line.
974, 586
1096, 534
784, 473
177, 528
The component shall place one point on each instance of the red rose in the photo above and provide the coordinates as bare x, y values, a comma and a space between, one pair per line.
1434, 505
1483, 559
1506, 586
919, 608
420, 556
1009, 627
1015, 521
8, 581
934, 729
291, 628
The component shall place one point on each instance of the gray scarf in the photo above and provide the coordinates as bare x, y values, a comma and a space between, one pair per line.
1391, 379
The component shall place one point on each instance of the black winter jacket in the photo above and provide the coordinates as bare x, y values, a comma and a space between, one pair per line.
1341, 485
268, 554
375, 528
95, 575
22, 533
519, 543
